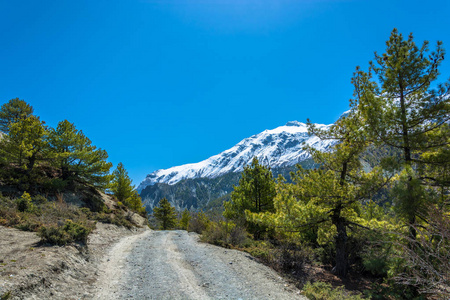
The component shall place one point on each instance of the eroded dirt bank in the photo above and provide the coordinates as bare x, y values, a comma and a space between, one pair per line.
31, 271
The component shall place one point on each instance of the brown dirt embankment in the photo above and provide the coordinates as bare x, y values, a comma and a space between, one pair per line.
29, 270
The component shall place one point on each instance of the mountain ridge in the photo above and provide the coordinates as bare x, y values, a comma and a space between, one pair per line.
278, 147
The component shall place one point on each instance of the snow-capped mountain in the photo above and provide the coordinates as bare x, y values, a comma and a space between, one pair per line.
279, 147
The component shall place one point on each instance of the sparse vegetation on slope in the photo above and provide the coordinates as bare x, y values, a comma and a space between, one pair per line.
53, 179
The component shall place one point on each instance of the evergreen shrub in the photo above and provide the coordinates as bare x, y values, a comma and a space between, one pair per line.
225, 234
24, 203
199, 223
68, 233
324, 291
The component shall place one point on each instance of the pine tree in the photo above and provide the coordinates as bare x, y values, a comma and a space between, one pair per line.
255, 193
13, 111
185, 219
165, 214
121, 184
124, 191
342, 183
76, 158
402, 110
24, 146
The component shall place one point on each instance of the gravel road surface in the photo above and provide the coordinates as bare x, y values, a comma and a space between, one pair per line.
175, 265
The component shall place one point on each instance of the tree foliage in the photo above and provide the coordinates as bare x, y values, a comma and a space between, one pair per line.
402, 115
402, 109
185, 219
21, 149
124, 191
76, 158
255, 194
322, 203
24, 203
166, 214
13, 111
35, 157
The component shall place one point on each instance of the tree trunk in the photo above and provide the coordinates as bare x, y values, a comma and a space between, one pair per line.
405, 134
412, 229
64, 172
408, 160
341, 267
31, 162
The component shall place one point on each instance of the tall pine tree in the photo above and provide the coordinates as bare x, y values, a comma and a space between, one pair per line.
124, 190
76, 158
402, 110
165, 214
255, 193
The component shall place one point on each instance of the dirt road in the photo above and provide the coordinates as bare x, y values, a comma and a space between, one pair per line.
174, 265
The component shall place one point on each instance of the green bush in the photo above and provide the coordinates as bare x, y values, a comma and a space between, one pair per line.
389, 289
37, 214
86, 211
324, 291
54, 235
9, 216
55, 185
376, 265
224, 234
78, 231
29, 225
68, 233
216, 233
239, 237
261, 249
326, 253
39, 199
292, 257
199, 222
24, 203
118, 218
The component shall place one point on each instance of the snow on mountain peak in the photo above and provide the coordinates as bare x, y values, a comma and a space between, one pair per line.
295, 123
279, 147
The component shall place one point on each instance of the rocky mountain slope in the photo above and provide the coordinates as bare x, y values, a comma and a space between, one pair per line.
205, 184
202, 193
277, 148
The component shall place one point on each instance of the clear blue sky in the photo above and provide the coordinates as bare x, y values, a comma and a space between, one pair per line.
167, 82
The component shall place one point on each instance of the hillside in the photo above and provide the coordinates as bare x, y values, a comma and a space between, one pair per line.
31, 270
